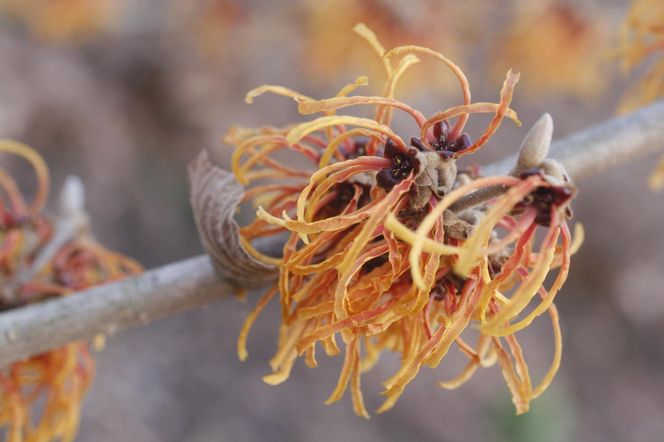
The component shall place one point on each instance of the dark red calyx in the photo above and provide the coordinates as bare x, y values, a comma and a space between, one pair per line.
403, 164
9, 220
448, 284
544, 198
374, 263
443, 142
417, 144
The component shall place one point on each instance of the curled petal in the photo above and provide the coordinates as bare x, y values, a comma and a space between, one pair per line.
474, 108
463, 81
526, 291
384, 113
275, 89
363, 31
346, 90
330, 104
300, 131
39, 166
501, 112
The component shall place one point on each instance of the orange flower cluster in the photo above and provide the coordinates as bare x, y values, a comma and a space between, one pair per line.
207, 23
327, 52
385, 253
642, 42
62, 20
40, 398
556, 46
555, 43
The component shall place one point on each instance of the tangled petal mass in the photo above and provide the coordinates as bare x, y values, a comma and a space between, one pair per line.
40, 398
389, 247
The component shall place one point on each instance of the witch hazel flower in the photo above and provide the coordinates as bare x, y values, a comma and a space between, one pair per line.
41, 396
390, 247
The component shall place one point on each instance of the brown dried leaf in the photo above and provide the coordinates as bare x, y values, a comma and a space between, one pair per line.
214, 195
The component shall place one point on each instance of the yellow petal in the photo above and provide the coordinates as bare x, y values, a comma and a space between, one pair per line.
275, 89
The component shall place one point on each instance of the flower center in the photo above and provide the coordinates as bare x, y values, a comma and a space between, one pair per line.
403, 163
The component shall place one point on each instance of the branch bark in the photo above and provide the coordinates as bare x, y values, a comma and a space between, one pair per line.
182, 285
109, 308
604, 145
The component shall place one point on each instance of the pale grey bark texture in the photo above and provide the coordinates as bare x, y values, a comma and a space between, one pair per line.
603, 145
179, 286
106, 309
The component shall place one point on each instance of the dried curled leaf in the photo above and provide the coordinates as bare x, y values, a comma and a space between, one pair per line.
214, 195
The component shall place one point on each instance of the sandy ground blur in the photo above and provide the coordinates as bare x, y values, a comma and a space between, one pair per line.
128, 106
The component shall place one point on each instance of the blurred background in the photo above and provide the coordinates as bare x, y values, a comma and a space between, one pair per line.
125, 92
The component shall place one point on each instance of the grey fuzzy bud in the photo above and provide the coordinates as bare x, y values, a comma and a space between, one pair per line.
72, 198
535, 145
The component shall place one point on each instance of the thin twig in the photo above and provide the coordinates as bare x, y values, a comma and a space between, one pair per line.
478, 197
604, 145
108, 308
179, 286
71, 221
